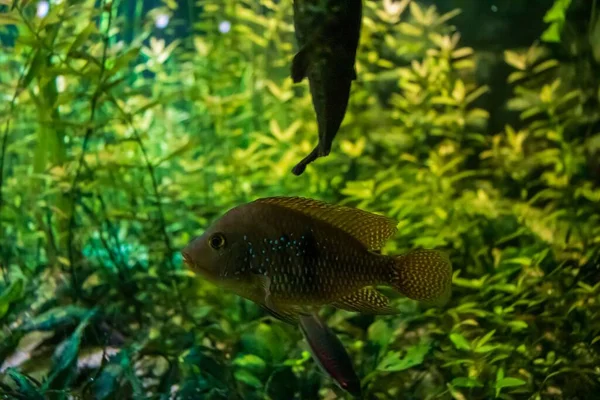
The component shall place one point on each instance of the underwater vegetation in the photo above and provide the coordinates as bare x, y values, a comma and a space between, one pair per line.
122, 139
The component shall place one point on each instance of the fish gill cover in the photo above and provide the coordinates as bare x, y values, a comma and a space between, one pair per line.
128, 127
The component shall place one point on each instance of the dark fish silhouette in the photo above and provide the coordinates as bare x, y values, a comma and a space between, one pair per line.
327, 32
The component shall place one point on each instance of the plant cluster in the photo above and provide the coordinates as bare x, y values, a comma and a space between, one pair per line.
115, 151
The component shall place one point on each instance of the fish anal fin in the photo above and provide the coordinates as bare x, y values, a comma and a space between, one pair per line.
366, 301
372, 230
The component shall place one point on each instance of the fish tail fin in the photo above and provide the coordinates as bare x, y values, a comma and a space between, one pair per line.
301, 166
423, 275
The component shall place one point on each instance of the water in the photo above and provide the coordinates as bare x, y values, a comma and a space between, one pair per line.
127, 128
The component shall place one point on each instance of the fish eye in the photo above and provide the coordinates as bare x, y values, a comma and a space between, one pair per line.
217, 241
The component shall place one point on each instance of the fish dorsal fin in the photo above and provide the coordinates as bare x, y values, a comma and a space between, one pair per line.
370, 229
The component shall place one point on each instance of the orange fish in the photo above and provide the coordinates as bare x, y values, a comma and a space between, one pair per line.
294, 255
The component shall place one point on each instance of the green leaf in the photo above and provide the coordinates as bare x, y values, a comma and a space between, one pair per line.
10, 295
414, 356
546, 65
34, 69
552, 33
266, 342
56, 318
83, 36
65, 357
558, 11
106, 385
9, 19
243, 375
510, 382
485, 339
466, 382
486, 348
477, 93
380, 333
281, 383
200, 360
25, 385
518, 325
250, 361
459, 341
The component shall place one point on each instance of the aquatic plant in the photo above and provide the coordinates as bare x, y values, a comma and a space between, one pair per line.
120, 140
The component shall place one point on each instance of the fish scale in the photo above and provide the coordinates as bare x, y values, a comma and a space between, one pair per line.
322, 276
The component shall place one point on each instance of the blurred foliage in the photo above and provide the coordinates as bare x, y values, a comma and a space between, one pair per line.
556, 17
115, 153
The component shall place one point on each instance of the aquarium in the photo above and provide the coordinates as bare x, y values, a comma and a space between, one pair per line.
415, 187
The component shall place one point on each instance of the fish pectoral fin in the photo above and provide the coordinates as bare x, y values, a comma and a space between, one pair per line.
264, 282
301, 60
300, 64
367, 301
281, 311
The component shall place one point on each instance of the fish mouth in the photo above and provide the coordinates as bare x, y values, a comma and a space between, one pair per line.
187, 259
197, 269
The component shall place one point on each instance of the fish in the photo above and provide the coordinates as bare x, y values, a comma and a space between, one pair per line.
294, 255
329, 353
328, 34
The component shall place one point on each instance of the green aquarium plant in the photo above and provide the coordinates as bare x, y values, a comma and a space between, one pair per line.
122, 138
